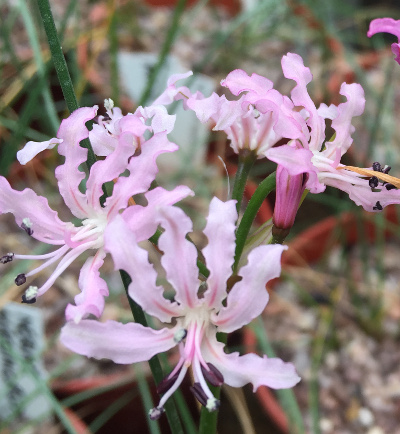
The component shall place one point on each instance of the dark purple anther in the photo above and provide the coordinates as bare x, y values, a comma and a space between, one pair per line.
377, 167
28, 301
378, 206
27, 229
373, 182
386, 170
213, 375
7, 258
20, 279
199, 394
390, 186
167, 382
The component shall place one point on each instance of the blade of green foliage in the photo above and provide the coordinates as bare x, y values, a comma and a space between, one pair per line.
147, 400
49, 106
286, 397
168, 42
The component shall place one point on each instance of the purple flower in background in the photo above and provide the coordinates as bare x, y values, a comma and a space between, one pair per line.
199, 309
318, 156
387, 25
34, 215
249, 126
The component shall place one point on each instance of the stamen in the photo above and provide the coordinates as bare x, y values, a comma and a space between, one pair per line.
167, 382
199, 394
30, 294
213, 375
27, 226
7, 258
108, 104
377, 167
377, 206
386, 170
373, 182
20, 279
390, 186
156, 412
180, 335
213, 404
172, 389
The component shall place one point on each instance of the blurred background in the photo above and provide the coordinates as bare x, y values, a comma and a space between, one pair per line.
335, 312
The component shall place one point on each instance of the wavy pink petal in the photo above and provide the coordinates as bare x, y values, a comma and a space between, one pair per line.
250, 368
140, 219
239, 81
180, 255
128, 256
143, 170
106, 170
294, 69
161, 121
27, 204
103, 143
354, 106
169, 94
248, 298
93, 290
72, 131
31, 149
220, 250
122, 343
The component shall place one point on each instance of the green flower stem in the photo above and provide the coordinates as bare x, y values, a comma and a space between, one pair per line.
154, 362
263, 190
61, 69
169, 40
72, 104
246, 161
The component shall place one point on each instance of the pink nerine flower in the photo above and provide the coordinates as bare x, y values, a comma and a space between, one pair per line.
387, 25
247, 128
199, 309
319, 156
34, 215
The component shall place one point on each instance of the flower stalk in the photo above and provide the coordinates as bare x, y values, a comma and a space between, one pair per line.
246, 162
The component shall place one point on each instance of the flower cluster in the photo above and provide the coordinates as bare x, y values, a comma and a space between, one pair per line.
260, 122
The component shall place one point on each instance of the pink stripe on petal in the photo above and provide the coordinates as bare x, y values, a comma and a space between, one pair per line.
239, 81
122, 343
143, 170
128, 256
293, 68
248, 298
27, 204
106, 170
220, 251
73, 130
141, 219
94, 289
180, 255
250, 368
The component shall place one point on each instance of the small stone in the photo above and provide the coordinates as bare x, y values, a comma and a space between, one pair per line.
365, 416
376, 430
326, 425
